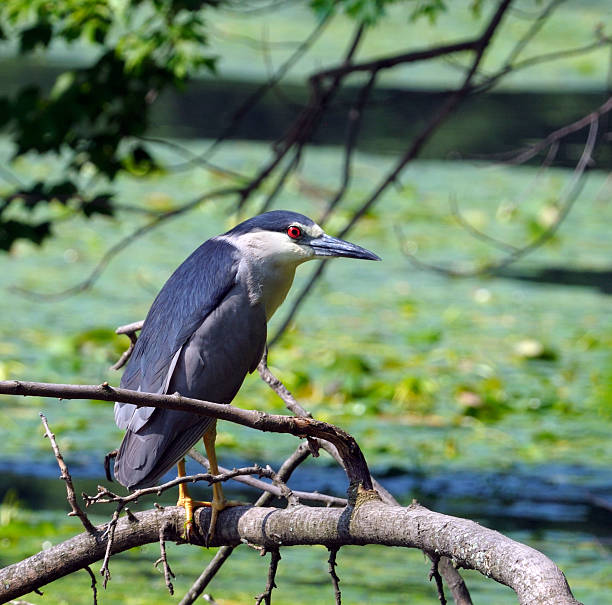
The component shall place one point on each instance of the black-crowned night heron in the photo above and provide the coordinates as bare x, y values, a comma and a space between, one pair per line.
205, 330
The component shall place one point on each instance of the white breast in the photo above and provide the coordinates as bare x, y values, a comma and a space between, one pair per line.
267, 283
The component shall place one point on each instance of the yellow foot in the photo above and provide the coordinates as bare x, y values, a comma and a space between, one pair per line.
190, 505
216, 506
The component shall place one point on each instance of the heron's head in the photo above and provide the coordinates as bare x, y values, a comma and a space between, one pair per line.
287, 237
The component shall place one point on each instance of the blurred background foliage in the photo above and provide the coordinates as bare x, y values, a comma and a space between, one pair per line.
488, 396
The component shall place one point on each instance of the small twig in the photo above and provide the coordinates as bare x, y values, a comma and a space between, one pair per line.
526, 153
266, 595
130, 331
163, 559
282, 179
435, 574
130, 328
195, 158
105, 496
207, 575
94, 588
334, 576
280, 389
77, 511
535, 27
353, 127
568, 199
454, 581
123, 243
109, 534
273, 489
126, 354
473, 231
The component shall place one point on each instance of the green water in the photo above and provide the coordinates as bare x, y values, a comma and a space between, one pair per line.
428, 372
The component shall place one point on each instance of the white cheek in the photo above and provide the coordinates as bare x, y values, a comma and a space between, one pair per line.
277, 247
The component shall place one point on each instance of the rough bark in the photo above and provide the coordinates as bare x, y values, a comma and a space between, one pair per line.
535, 578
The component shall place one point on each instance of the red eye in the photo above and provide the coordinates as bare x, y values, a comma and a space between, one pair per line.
294, 232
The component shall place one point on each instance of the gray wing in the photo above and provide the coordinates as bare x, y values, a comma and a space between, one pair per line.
189, 295
212, 363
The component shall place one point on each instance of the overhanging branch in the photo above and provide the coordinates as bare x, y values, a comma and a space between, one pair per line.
352, 457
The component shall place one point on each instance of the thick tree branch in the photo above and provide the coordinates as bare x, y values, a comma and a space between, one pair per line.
535, 579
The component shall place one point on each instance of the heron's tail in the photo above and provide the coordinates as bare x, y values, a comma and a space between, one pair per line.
147, 454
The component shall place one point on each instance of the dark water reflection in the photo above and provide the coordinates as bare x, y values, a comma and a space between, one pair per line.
576, 499
486, 124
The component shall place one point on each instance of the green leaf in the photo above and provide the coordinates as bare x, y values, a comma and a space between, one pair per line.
101, 204
39, 34
13, 230
429, 9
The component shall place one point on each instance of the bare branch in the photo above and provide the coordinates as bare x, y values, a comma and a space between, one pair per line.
289, 169
354, 462
196, 158
109, 535
333, 552
130, 328
94, 588
533, 30
534, 578
126, 354
207, 575
435, 574
77, 511
274, 490
479, 46
163, 559
572, 192
355, 117
532, 150
490, 81
412, 56
266, 595
123, 243
279, 388
455, 582
469, 228
105, 496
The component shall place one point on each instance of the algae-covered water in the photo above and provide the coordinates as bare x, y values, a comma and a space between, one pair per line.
483, 397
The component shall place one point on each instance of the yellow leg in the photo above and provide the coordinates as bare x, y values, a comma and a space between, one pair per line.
219, 502
186, 501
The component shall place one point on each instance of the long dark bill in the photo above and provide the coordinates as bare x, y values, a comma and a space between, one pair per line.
326, 245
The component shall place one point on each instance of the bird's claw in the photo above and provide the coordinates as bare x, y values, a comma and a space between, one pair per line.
190, 505
216, 506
